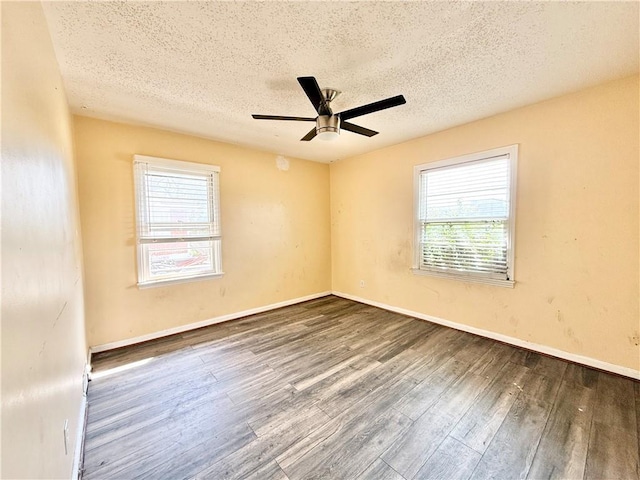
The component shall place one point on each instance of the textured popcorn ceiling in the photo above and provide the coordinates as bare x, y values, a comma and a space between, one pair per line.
204, 67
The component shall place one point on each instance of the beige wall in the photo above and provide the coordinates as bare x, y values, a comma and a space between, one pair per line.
577, 226
275, 231
43, 340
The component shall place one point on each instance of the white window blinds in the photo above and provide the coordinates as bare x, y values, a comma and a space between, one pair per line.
178, 219
464, 217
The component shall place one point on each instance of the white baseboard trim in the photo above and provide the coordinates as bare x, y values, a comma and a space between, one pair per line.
79, 444
554, 352
203, 323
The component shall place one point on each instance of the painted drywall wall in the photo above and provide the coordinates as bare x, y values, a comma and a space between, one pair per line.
577, 261
275, 231
43, 340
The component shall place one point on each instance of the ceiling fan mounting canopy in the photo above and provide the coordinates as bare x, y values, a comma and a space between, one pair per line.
330, 94
329, 124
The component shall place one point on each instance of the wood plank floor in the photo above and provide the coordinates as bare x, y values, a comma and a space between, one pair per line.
334, 389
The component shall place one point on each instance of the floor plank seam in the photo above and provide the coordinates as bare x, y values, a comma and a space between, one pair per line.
591, 430
544, 429
398, 473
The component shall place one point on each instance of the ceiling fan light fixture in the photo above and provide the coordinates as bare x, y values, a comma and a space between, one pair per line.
328, 136
328, 127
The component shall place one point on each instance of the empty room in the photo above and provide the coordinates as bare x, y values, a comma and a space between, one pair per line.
320, 240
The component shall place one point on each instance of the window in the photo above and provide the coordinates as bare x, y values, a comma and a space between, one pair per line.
465, 217
178, 220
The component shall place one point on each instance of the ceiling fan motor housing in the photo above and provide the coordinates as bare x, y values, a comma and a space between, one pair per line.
328, 123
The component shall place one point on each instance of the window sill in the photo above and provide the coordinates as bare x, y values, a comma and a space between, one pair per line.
465, 278
175, 281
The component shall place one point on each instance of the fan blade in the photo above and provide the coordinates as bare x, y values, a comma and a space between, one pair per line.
357, 129
309, 136
372, 107
312, 89
278, 117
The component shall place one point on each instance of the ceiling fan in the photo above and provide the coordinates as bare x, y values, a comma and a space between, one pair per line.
328, 124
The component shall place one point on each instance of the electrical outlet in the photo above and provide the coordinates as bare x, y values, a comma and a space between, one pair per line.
361, 283
65, 434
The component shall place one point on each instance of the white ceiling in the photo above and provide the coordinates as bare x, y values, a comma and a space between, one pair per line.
204, 67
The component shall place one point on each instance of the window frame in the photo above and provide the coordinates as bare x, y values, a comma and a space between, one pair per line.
142, 260
512, 152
